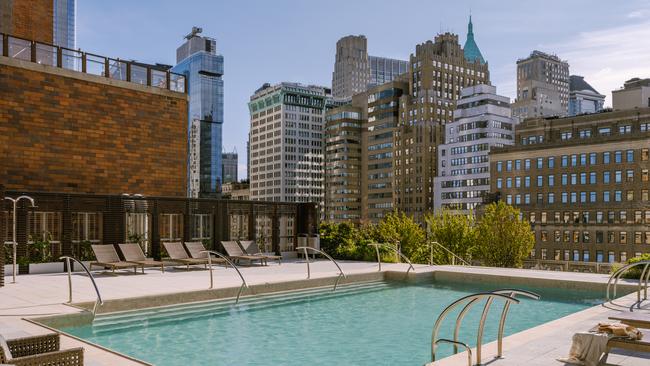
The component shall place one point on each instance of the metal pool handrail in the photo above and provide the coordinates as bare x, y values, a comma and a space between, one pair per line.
454, 256
377, 245
341, 274
472, 300
645, 274
512, 292
456, 344
243, 281
99, 300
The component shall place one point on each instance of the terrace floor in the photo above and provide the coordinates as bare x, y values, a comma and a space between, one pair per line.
41, 295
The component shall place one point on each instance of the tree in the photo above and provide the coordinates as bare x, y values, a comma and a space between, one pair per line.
453, 231
502, 238
396, 227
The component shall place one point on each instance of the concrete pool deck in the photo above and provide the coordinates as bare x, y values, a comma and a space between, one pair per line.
36, 296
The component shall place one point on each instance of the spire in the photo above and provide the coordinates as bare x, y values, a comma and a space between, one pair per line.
472, 53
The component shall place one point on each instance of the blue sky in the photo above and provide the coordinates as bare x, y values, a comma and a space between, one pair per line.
294, 40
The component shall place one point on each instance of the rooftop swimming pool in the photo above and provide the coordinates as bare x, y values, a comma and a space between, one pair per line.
375, 323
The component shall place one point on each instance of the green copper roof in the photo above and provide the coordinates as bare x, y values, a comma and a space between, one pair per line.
472, 53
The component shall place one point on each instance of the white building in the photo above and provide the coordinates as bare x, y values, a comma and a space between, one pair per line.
286, 142
583, 98
482, 119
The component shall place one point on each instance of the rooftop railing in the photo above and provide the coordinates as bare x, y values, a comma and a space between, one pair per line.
88, 63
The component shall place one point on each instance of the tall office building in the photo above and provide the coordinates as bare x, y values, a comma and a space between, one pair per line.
542, 86
437, 72
48, 21
355, 71
286, 142
582, 182
343, 150
65, 23
230, 161
198, 60
482, 121
583, 98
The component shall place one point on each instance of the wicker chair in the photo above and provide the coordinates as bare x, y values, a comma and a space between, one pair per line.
40, 350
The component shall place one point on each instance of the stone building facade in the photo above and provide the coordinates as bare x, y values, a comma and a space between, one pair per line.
582, 182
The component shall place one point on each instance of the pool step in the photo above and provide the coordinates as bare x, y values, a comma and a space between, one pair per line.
156, 316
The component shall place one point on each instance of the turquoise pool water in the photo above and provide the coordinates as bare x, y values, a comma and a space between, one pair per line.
379, 323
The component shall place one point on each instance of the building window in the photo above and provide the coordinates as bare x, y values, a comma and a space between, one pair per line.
622, 237
565, 180
623, 256
86, 226
551, 180
540, 181
630, 195
599, 256
585, 256
574, 160
618, 157
517, 164
540, 163
606, 177
592, 159
526, 164
644, 154
551, 197
629, 176
565, 161
499, 166
638, 237
592, 178
171, 227
611, 258
551, 161
606, 157
201, 227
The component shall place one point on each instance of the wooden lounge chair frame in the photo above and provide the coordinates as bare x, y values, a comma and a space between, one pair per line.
235, 253
133, 254
177, 253
641, 345
41, 350
195, 248
107, 257
251, 248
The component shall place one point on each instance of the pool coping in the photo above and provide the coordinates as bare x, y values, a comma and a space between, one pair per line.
469, 276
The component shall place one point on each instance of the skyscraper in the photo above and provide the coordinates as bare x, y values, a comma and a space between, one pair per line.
65, 23
482, 120
583, 98
437, 72
542, 86
355, 71
286, 142
198, 60
229, 167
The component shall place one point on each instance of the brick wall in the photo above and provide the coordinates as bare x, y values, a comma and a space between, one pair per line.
62, 131
31, 19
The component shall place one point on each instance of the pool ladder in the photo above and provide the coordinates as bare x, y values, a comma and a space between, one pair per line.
243, 281
642, 284
508, 295
396, 250
98, 300
338, 278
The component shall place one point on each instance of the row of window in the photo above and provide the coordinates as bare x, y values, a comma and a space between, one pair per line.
591, 217
574, 197
573, 179
582, 255
573, 160
601, 237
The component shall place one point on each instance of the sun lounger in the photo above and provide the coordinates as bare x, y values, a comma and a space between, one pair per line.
107, 258
251, 248
196, 247
236, 254
638, 320
625, 343
178, 254
39, 350
133, 253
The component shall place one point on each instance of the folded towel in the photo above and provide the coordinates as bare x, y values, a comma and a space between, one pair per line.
620, 330
586, 349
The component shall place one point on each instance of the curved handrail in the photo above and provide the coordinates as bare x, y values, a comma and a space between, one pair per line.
453, 305
377, 245
454, 255
456, 344
243, 281
619, 272
99, 300
512, 292
341, 274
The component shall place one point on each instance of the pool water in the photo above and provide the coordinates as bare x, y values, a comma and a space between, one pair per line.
377, 323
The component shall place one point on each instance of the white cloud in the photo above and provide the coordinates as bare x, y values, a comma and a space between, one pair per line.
608, 57
639, 14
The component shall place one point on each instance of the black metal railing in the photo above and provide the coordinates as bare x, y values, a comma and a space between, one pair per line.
88, 63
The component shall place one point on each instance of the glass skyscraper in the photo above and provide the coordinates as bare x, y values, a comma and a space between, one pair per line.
64, 23
198, 60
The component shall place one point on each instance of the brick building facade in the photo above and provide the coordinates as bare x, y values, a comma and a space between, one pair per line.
31, 19
67, 131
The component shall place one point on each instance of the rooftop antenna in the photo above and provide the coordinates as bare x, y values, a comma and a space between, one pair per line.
194, 32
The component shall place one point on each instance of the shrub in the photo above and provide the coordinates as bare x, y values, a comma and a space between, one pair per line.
454, 232
634, 272
502, 238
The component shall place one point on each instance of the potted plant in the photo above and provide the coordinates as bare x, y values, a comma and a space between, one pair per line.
82, 251
140, 240
40, 255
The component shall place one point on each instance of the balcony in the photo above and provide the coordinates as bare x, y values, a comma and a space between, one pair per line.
88, 63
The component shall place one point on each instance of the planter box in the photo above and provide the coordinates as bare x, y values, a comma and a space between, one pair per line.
52, 267
76, 267
289, 255
7, 269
